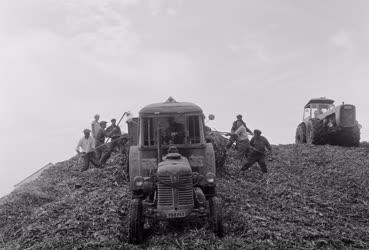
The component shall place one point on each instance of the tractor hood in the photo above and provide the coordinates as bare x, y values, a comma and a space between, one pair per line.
174, 165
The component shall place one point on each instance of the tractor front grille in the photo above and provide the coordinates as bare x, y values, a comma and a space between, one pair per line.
185, 192
165, 192
348, 116
175, 193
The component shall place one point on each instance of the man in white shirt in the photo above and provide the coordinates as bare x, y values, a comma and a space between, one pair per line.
243, 143
235, 125
87, 144
95, 126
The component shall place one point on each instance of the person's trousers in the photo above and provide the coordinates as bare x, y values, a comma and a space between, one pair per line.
108, 150
243, 148
256, 157
231, 140
87, 158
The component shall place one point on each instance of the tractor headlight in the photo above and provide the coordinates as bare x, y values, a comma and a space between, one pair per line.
138, 181
210, 178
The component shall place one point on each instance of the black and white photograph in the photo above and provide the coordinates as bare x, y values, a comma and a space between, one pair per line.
184, 124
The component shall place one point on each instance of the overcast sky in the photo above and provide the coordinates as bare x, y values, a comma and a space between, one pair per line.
63, 61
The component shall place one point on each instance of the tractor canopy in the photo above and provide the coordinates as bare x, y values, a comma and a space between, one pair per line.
317, 101
170, 107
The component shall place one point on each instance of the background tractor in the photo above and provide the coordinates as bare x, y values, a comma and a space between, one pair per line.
325, 123
171, 168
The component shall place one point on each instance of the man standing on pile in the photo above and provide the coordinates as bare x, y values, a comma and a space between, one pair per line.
235, 126
86, 143
258, 145
113, 132
242, 139
95, 126
100, 140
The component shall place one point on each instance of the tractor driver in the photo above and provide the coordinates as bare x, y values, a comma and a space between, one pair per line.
175, 133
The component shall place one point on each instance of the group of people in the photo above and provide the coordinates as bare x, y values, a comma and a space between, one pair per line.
93, 148
254, 149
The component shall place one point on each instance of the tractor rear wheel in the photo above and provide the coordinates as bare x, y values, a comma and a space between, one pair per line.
300, 137
216, 216
317, 133
136, 222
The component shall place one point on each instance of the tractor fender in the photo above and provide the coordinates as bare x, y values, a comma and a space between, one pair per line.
134, 163
140, 164
209, 165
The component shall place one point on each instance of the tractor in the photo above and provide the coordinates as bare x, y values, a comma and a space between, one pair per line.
325, 123
171, 169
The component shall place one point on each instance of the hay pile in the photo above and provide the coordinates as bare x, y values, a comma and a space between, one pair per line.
313, 197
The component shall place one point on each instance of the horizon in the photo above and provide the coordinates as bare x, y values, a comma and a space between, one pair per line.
63, 62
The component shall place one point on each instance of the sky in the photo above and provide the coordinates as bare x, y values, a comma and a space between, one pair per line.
61, 62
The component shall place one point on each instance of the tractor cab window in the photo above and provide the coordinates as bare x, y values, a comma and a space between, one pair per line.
193, 129
148, 132
307, 113
174, 131
171, 130
318, 109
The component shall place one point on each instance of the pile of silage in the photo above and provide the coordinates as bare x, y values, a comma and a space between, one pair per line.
313, 197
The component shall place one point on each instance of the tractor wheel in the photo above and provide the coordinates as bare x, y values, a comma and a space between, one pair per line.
349, 137
216, 216
136, 222
316, 133
300, 134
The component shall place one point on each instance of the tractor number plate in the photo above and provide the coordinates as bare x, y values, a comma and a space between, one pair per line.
172, 215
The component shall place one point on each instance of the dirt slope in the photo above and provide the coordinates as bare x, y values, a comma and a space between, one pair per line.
313, 197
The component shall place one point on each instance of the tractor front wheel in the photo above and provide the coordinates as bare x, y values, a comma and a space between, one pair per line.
216, 216
136, 222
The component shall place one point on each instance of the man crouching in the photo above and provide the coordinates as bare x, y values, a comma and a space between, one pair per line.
258, 144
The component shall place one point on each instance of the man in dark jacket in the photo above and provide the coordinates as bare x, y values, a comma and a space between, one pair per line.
114, 133
258, 146
100, 140
114, 130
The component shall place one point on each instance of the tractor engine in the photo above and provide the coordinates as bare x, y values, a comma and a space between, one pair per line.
175, 186
347, 116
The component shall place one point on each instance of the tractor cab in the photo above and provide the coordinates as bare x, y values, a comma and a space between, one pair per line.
316, 107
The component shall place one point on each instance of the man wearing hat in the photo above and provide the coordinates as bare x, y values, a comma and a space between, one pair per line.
86, 143
95, 126
114, 132
258, 145
235, 126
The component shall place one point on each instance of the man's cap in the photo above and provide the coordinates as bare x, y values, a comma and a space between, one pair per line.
113, 120
103, 122
239, 116
86, 130
257, 131
97, 115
